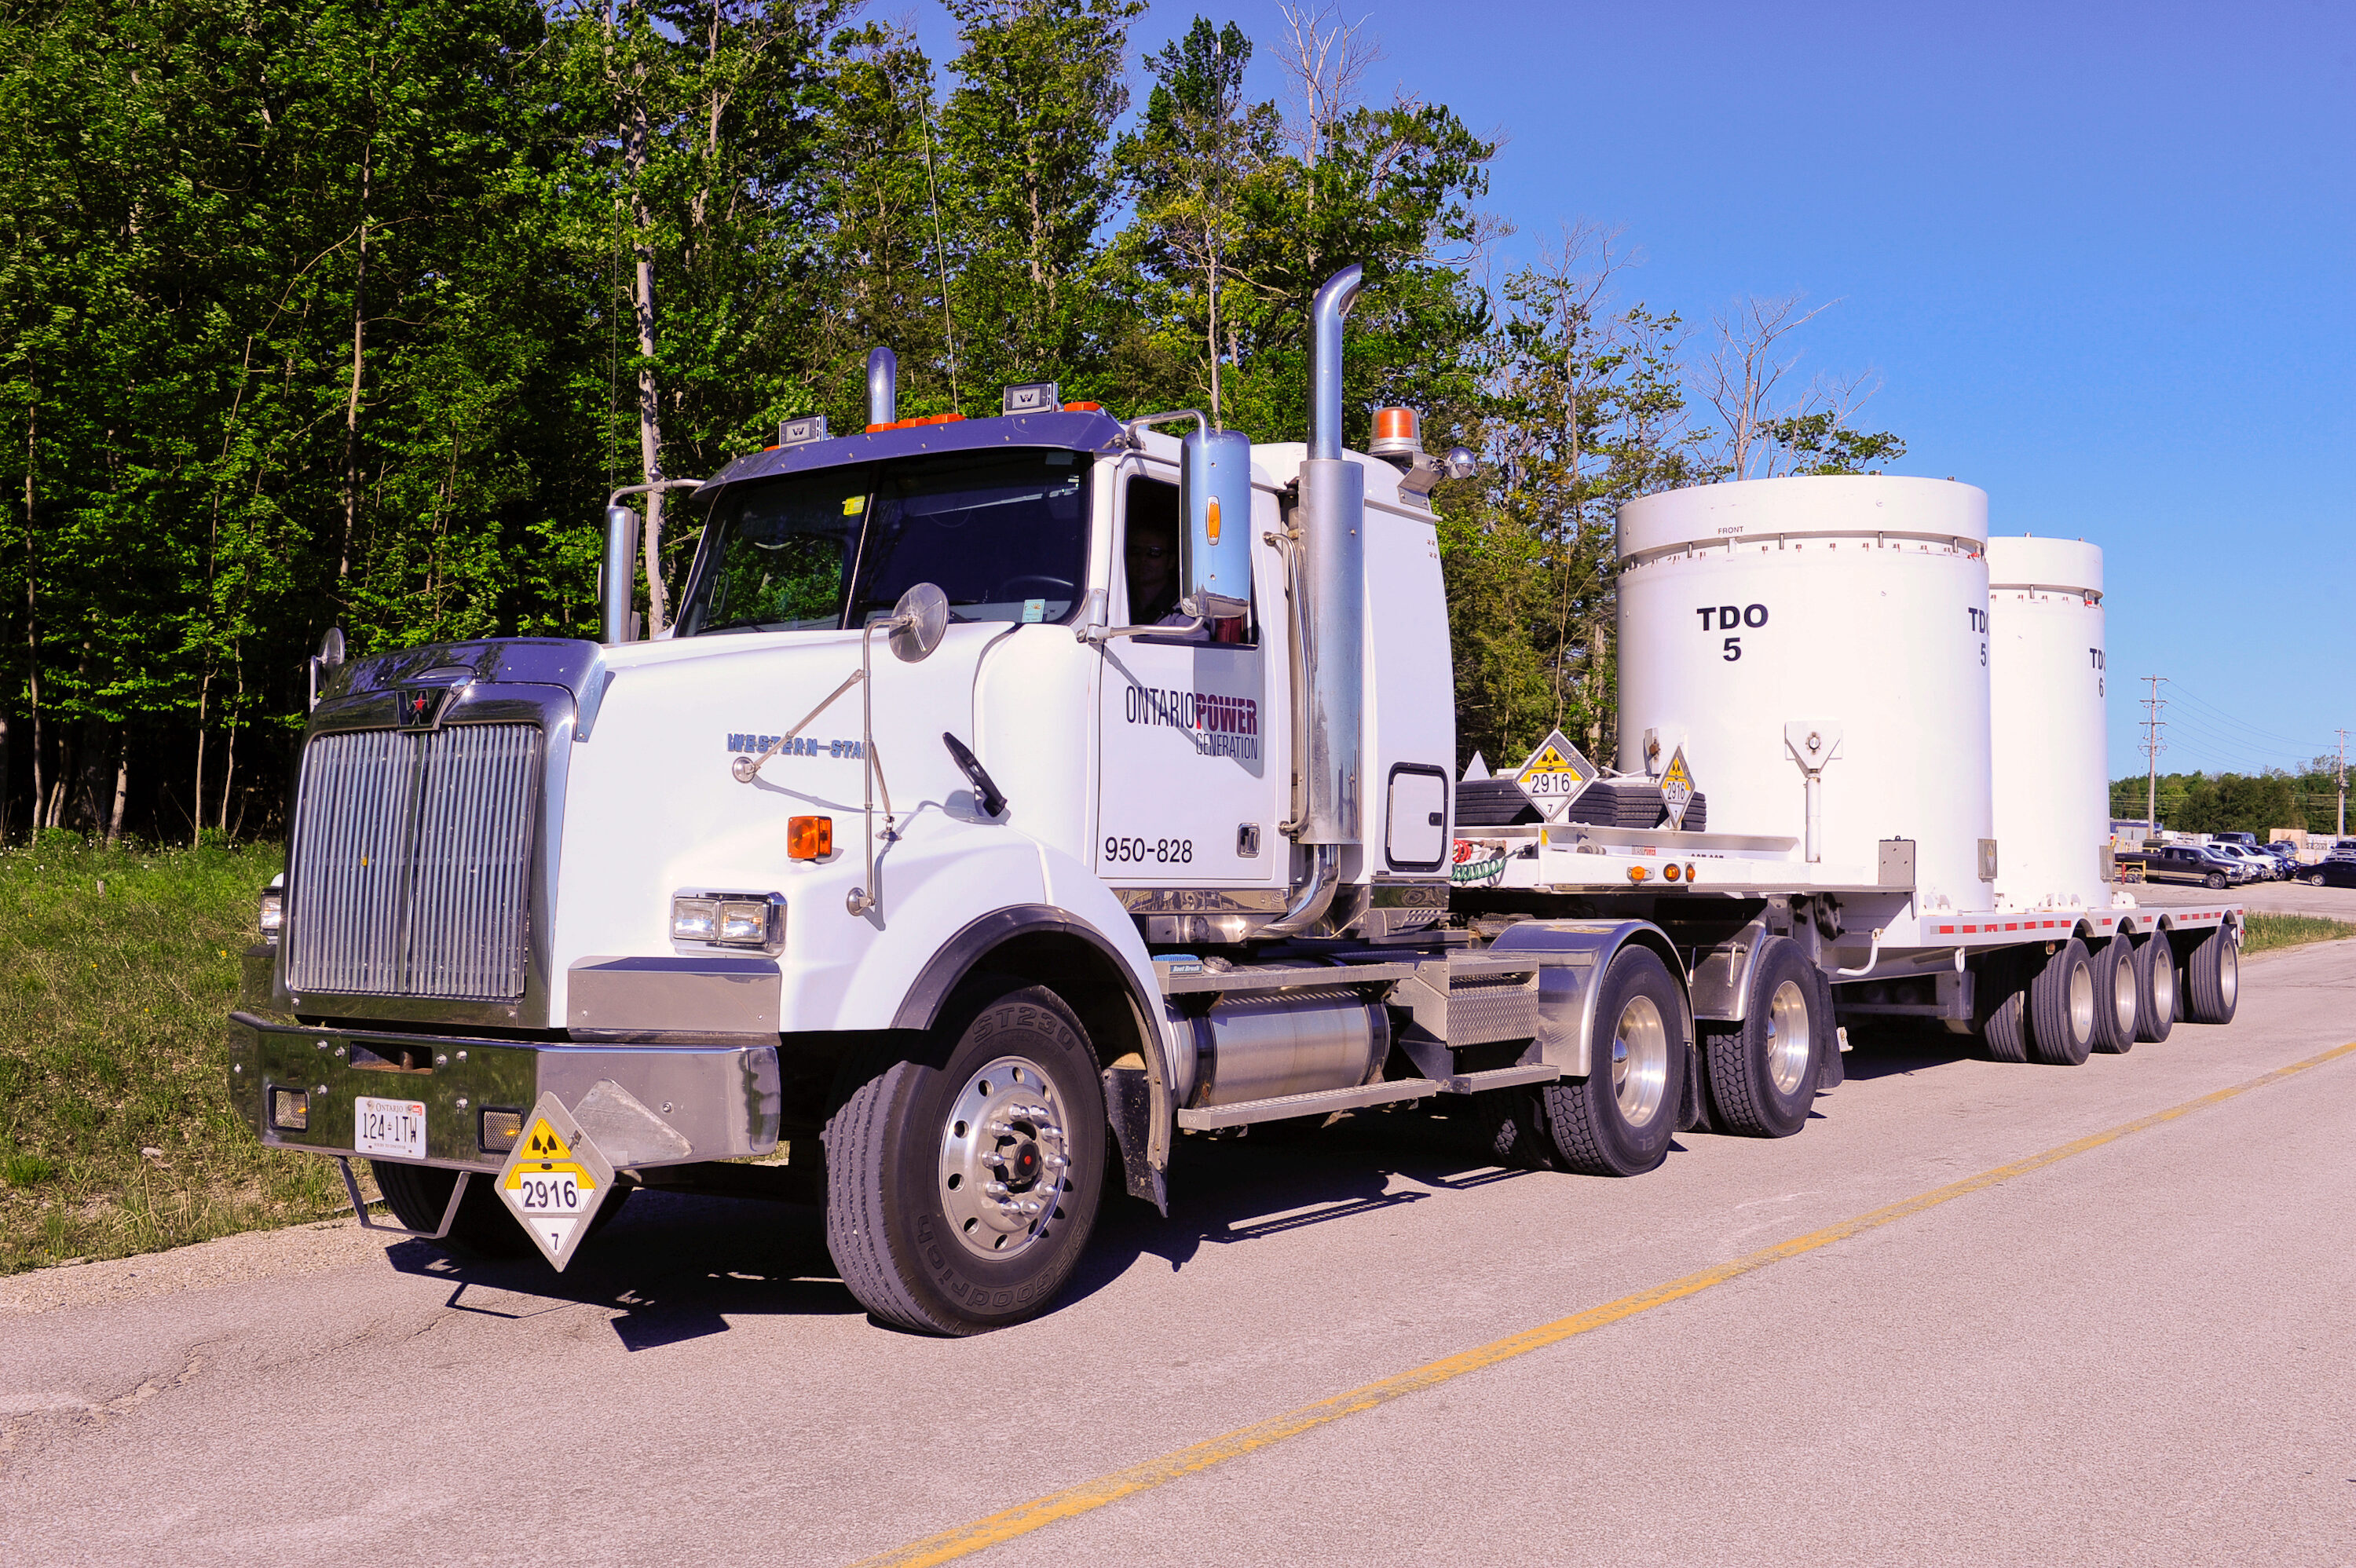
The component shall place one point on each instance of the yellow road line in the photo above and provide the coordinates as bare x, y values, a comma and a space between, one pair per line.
1090, 1495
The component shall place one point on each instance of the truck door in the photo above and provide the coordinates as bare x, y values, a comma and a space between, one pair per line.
1188, 780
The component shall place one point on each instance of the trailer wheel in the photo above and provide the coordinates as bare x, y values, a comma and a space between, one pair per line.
2062, 1007
2114, 997
1763, 1072
2154, 961
961, 1186
2005, 1029
2214, 974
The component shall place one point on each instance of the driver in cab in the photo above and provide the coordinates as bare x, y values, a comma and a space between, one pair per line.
1153, 588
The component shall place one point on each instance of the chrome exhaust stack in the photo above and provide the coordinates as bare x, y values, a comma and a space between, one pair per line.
883, 386
1332, 522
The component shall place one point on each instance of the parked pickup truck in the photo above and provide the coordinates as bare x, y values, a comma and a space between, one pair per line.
2195, 863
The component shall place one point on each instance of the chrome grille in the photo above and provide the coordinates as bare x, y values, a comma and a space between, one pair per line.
413, 862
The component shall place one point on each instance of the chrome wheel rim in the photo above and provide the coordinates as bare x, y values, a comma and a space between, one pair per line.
2122, 996
2163, 982
1640, 1060
2082, 1002
2228, 971
1005, 1156
1789, 1039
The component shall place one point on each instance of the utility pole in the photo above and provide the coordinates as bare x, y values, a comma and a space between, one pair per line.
2342, 831
2152, 747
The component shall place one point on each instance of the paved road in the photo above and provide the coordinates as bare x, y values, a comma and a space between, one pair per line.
2137, 1353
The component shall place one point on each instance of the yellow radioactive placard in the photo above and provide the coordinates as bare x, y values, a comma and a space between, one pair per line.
1554, 775
1676, 789
554, 1179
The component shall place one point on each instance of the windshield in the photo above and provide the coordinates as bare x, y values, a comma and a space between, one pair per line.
1004, 535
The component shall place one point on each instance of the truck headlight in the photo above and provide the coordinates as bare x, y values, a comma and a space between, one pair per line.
729, 920
273, 912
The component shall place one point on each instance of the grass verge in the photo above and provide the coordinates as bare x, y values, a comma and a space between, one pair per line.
2267, 931
118, 968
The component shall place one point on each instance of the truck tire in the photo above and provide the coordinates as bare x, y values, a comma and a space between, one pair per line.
2005, 1028
2062, 1007
961, 1186
2214, 881
2214, 974
484, 1229
2154, 961
1621, 1118
2115, 1002
1763, 1072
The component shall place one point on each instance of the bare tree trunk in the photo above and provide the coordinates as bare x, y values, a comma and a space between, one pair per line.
204, 691
352, 400
635, 134
32, 607
122, 786
229, 727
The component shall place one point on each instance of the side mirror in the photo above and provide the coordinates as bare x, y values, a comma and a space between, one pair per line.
330, 656
1215, 536
619, 575
918, 623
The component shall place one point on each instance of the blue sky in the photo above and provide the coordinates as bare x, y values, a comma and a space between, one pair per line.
2104, 255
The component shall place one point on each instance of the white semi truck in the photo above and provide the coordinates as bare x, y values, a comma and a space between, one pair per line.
1015, 798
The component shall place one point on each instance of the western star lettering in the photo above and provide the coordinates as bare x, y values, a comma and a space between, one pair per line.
799, 746
1222, 726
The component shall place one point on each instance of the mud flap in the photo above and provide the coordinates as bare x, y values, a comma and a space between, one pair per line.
1129, 1105
1694, 1110
1830, 1072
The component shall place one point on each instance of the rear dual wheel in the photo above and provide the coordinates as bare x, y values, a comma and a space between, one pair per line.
1619, 1120
961, 1186
2062, 1007
1763, 1072
2213, 978
2115, 997
2154, 963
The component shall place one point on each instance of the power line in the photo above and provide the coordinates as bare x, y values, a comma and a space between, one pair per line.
2152, 747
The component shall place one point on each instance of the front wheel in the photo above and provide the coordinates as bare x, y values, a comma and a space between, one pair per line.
2314, 881
2215, 881
961, 1186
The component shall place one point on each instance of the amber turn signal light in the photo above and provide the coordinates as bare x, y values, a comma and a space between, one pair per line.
1671, 871
1636, 873
809, 837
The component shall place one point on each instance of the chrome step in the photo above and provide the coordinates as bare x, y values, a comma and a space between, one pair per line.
1501, 1078
1246, 1112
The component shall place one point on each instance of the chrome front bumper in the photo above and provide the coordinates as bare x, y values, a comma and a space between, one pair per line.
645, 1104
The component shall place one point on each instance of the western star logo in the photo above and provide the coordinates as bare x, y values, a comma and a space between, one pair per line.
748, 745
421, 709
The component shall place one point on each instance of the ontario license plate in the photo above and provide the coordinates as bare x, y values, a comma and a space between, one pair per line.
395, 1127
